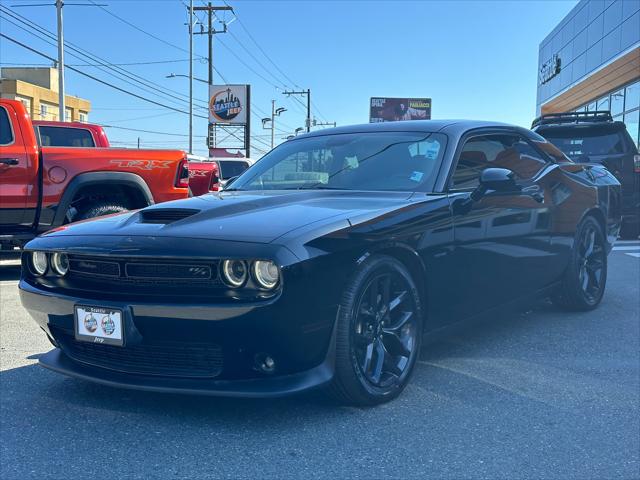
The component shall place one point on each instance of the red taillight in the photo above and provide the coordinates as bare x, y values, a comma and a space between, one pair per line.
214, 185
182, 180
636, 163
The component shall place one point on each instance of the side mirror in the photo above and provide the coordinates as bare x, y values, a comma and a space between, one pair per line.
498, 179
229, 181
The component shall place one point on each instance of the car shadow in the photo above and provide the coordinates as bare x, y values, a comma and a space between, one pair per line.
199, 409
469, 388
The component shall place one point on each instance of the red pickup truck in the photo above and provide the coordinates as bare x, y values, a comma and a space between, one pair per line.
42, 187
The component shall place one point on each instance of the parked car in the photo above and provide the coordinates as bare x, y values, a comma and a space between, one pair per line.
596, 137
211, 174
42, 187
325, 263
70, 134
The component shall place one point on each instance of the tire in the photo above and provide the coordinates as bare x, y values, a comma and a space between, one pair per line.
378, 333
98, 209
585, 279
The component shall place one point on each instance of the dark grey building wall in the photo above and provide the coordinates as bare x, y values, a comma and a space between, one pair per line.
590, 36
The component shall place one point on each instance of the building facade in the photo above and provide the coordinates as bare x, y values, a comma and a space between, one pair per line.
591, 61
37, 89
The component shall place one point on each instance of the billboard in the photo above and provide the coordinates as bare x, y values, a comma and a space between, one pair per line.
382, 109
228, 104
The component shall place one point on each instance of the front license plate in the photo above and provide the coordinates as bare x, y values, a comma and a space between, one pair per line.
99, 325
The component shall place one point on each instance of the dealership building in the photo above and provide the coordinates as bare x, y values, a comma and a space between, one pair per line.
591, 61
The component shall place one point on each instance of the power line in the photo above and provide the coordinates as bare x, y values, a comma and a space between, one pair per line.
154, 132
241, 23
255, 59
157, 88
149, 34
97, 64
97, 79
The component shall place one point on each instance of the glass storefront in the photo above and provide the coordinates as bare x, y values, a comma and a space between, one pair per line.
624, 105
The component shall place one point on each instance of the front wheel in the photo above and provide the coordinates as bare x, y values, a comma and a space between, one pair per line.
584, 281
379, 331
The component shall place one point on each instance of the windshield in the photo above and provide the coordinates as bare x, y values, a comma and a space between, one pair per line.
401, 161
576, 143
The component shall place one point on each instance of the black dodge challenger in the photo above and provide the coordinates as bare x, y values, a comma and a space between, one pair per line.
325, 263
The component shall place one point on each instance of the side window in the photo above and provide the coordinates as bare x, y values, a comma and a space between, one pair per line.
500, 151
528, 161
6, 133
65, 137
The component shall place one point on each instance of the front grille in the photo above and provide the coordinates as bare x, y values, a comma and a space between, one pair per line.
168, 359
168, 271
94, 267
117, 276
166, 215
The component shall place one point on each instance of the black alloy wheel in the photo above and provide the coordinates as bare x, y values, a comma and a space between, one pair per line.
379, 333
591, 258
585, 279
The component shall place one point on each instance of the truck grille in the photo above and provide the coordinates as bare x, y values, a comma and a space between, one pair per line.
168, 359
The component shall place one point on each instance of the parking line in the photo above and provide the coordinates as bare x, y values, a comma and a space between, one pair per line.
634, 247
636, 255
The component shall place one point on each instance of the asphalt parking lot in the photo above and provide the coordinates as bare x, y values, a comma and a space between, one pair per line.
540, 393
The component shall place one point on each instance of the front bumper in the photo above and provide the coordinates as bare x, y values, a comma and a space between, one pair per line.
302, 345
57, 361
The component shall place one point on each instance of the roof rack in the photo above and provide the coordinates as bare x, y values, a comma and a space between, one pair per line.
573, 117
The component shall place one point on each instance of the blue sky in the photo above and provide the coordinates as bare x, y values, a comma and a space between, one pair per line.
475, 59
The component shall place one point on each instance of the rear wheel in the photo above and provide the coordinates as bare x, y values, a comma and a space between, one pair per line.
100, 208
585, 279
379, 330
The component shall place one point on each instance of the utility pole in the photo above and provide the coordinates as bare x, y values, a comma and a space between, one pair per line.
191, 76
62, 111
211, 31
61, 106
306, 92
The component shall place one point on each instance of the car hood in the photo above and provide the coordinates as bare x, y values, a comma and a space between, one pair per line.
260, 217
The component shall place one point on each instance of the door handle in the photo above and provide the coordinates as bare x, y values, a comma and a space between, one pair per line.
9, 161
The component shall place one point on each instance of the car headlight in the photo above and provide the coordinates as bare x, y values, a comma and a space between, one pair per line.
39, 262
266, 274
235, 272
60, 263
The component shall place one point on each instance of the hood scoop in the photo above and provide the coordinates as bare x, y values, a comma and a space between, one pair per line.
166, 215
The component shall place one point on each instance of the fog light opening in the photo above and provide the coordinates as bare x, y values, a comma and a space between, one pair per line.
265, 363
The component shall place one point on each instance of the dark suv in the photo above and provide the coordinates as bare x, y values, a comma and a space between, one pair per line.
594, 137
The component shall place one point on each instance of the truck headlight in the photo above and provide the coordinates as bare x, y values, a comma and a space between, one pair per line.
266, 274
39, 263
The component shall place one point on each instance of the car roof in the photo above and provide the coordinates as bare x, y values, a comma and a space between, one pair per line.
451, 126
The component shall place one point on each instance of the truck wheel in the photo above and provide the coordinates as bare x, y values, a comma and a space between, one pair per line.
585, 279
99, 209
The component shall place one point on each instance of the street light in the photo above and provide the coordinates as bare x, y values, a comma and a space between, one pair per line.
275, 112
298, 130
174, 75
